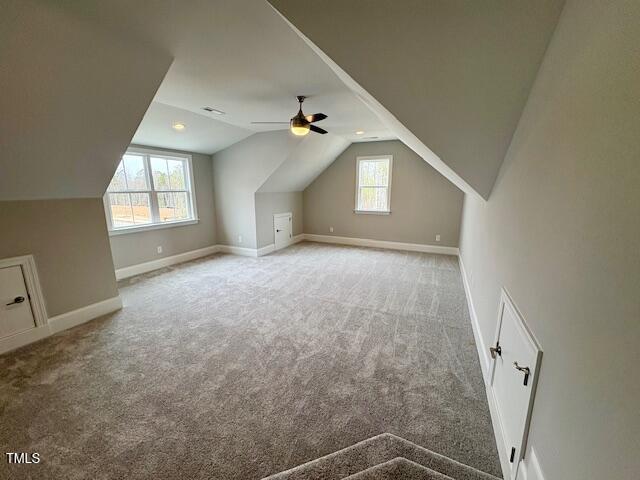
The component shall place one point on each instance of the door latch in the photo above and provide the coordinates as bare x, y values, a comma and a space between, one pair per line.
525, 370
497, 350
16, 300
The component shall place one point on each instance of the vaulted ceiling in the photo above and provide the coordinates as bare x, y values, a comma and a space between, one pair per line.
72, 96
448, 78
236, 56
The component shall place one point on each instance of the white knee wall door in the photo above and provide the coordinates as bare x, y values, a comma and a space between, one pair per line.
282, 229
516, 357
16, 315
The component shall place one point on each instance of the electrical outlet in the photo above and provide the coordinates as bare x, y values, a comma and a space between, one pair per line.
159, 249
331, 229
239, 238
437, 238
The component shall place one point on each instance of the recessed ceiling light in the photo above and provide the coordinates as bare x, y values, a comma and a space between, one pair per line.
360, 132
179, 126
213, 110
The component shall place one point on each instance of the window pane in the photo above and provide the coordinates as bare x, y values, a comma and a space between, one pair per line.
173, 206
160, 173
372, 198
141, 209
182, 205
118, 182
176, 174
374, 172
134, 170
166, 206
121, 213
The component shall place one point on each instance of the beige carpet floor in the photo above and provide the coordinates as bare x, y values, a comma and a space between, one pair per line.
236, 368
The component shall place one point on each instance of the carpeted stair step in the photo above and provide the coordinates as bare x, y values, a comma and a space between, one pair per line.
376, 451
398, 469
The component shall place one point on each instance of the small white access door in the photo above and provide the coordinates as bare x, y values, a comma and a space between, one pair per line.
515, 367
282, 229
15, 308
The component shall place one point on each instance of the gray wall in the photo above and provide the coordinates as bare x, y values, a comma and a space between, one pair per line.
68, 239
560, 232
238, 172
267, 204
133, 248
423, 202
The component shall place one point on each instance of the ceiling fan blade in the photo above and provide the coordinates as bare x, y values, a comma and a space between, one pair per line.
313, 128
316, 117
257, 123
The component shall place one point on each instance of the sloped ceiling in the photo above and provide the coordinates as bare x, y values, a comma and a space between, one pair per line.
236, 56
304, 162
277, 161
202, 135
449, 78
71, 99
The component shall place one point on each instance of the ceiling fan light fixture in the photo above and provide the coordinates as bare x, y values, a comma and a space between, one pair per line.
299, 125
300, 131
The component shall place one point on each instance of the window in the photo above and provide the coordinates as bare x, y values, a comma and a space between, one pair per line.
373, 184
150, 189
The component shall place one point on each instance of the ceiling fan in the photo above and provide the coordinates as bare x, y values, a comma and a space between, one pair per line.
301, 124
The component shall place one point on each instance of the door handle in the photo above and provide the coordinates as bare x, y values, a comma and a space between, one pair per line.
277, 231
16, 300
525, 370
497, 350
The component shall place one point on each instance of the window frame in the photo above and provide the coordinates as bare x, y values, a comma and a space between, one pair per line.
359, 159
189, 184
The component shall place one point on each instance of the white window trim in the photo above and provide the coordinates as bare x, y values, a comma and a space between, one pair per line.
373, 212
156, 226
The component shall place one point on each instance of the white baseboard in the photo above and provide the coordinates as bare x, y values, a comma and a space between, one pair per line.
485, 360
243, 251
266, 250
272, 248
60, 322
529, 468
145, 267
84, 314
257, 252
141, 268
366, 242
485, 365
24, 338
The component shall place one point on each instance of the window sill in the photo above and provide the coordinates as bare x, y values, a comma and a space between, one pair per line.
372, 212
155, 226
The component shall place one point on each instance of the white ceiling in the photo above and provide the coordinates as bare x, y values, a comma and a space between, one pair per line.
202, 135
236, 56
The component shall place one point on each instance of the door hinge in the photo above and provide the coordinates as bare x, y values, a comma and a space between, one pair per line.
497, 350
513, 454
